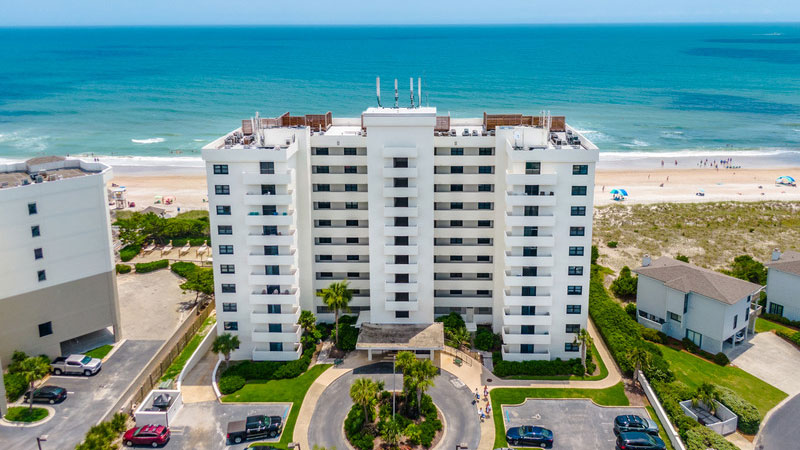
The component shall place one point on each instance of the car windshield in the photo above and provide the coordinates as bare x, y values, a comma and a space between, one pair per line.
86, 360
547, 433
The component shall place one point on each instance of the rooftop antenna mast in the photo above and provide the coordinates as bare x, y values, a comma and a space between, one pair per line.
395, 94
378, 90
411, 84
419, 92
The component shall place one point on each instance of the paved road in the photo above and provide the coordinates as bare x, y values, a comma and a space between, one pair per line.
463, 423
781, 432
771, 359
88, 400
576, 424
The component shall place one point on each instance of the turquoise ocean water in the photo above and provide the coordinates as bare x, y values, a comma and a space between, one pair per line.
148, 92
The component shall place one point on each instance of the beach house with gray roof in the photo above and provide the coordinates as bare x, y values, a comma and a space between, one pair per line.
783, 284
686, 301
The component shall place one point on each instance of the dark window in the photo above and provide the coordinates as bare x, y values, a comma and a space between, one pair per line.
220, 169
529, 271
401, 296
533, 168
483, 292
484, 241
224, 229
529, 291
321, 151
455, 275
483, 275
351, 187
276, 346
400, 182
323, 205
229, 307
401, 240
45, 329
484, 188
576, 251
222, 189
455, 151
486, 151
227, 268
456, 187
401, 278
735, 321
352, 257
400, 162
41, 275
32, 209
401, 202
575, 270
530, 231
324, 240
353, 274
528, 310
485, 169
686, 303
401, 221
455, 291
275, 328
323, 187
531, 211
456, 205
223, 210
578, 190
37, 253
273, 309
351, 223
350, 151
326, 257
574, 290
484, 258
573, 309
401, 314
401, 259
352, 240
526, 348
231, 326
456, 223
324, 223
571, 347
267, 167
351, 205
326, 274
457, 169
577, 211
484, 223
225, 249
484, 205
350, 169
580, 169
35, 231
455, 241
527, 329
573, 328
269, 230
268, 189
456, 258
531, 189
269, 210
577, 231
228, 288
322, 169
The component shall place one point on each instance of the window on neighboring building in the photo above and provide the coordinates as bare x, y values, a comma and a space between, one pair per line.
527, 329
673, 316
456, 169
484, 258
352, 240
350, 169
571, 347
484, 223
223, 210
735, 321
227, 268
485, 169
324, 240
321, 151
351, 205
276, 346
323, 205
456, 223
574, 290
273, 309
401, 314
352, 257
576, 251
220, 169
230, 326
275, 328
577, 211
573, 309
321, 169
351, 222
351, 187
486, 151
225, 249
455, 241
224, 229
32, 209
37, 253
526, 348
266, 167
533, 168
575, 270
484, 205
326, 257
455, 151
35, 231
323, 187
45, 329
222, 189
580, 169
349, 151
573, 328
228, 288
42, 276
456, 258
695, 337
456, 188
578, 190
527, 310
229, 307
577, 231
456, 205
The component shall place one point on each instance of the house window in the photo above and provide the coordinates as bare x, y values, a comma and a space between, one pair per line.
455, 275
580, 169
673, 316
455, 241
485, 169
573, 309
456, 258
41, 275
231, 326
456, 223
32, 209
484, 258
37, 253
574, 290
351, 223
528, 291
571, 347
228, 288
326, 257
225, 249
223, 210
349, 151
577, 211
273, 309
275, 328
35, 231
324, 223
229, 307
533, 168
575, 270
224, 229
456, 151
324, 240
456, 205
527, 329
528, 310
45, 329
222, 189
695, 337
484, 241
735, 321
484, 188
577, 231
352, 240
483, 275
526, 348
326, 275
353, 274
573, 328
685, 302
486, 151
400, 182
352, 257
276, 346
578, 190
576, 251
323, 205
456, 188
220, 169
401, 315
267, 167
227, 268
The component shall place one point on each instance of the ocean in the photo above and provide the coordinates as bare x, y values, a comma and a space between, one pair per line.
141, 93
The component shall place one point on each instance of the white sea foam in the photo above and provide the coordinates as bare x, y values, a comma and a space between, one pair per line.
717, 153
148, 141
25, 140
199, 140
637, 143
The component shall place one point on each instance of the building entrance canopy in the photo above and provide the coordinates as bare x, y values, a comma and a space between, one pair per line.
398, 337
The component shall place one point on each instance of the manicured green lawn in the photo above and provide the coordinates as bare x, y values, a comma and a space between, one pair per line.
25, 414
764, 325
662, 433
694, 371
613, 396
100, 352
289, 390
598, 360
177, 365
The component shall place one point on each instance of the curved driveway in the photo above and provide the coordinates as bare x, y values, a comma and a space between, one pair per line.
781, 432
463, 423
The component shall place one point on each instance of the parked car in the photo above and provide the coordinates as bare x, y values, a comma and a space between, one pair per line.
262, 447
152, 435
529, 436
47, 394
254, 427
76, 364
629, 422
636, 440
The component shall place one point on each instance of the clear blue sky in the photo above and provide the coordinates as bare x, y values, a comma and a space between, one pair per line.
292, 12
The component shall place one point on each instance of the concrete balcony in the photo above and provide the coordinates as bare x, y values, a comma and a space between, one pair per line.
273, 260
255, 178
265, 318
270, 239
401, 268
399, 152
287, 355
393, 211
273, 280
522, 179
513, 199
401, 250
292, 298
392, 305
513, 220
340, 196
465, 178
401, 287
519, 319
508, 355
521, 280
527, 300
462, 232
528, 261
265, 336
519, 338
460, 196
390, 192
265, 199
529, 241
270, 219
400, 231
400, 172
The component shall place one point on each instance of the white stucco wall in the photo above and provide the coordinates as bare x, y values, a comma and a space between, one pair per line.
784, 289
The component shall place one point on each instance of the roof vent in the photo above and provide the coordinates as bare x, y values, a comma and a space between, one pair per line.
776, 254
646, 260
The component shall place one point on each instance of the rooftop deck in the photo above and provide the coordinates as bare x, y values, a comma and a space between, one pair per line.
45, 169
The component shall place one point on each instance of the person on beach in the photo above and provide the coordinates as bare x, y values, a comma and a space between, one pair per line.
485, 390
477, 395
662, 163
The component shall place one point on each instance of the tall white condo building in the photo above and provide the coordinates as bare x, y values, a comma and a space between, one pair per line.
423, 214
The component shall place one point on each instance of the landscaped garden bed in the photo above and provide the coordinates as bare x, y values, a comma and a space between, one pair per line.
26, 414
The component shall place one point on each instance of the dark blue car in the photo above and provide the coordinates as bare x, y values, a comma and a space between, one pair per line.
529, 436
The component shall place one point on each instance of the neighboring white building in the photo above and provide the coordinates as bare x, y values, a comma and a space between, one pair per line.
686, 301
423, 214
783, 285
56, 260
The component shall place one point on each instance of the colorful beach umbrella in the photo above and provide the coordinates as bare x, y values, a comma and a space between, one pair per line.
785, 178
617, 191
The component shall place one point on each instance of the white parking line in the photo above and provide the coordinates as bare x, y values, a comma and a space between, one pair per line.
67, 377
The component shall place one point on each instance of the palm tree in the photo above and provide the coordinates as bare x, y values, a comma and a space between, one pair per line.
459, 337
391, 433
307, 321
585, 340
337, 296
363, 391
225, 344
707, 395
32, 369
422, 374
640, 359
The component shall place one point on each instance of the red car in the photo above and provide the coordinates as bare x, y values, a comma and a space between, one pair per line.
152, 435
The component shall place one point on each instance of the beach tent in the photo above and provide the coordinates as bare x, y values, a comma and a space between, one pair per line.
617, 191
786, 181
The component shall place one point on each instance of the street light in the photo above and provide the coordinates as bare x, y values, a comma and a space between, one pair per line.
394, 383
40, 439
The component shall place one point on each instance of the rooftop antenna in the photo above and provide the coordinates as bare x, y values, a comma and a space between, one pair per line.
395, 93
411, 84
419, 91
378, 90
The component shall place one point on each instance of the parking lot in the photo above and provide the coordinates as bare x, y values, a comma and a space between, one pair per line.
203, 425
88, 399
576, 423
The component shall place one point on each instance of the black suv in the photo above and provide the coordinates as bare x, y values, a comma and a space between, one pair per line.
630, 422
47, 394
636, 440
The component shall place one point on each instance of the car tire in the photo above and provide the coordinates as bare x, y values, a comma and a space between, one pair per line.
154, 445
57, 372
129, 444
52, 402
237, 440
87, 372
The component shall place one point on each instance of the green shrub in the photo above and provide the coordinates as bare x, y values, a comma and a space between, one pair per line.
612, 244
101, 436
653, 335
630, 308
123, 268
354, 429
721, 359
182, 268
683, 258
781, 319
348, 319
745, 267
230, 384
429, 429
540, 368
486, 340
595, 254
348, 335
129, 252
702, 438
749, 418
452, 321
194, 242
15, 386
625, 284
151, 266
690, 346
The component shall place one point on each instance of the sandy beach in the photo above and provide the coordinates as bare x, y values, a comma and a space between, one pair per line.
643, 186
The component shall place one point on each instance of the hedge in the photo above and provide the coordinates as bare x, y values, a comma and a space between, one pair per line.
270, 370
348, 336
15, 386
702, 438
183, 268
486, 340
194, 242
101, 436
781, 320
749, 418
129, 252
542, 368
353, 424
793, 337
228, 384
123, 268
151, 266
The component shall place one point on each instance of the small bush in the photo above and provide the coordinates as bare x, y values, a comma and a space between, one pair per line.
182, 268
123, 268
541, 368
702, 438
780, 319
348, 319
486, 340
230, 384
595, 254
348, 336
630, 308
654, 335
625, 284
689, 345
721, 359
15, 386
749, 418
353, 429
129, 252
683, 258
452, 321
612, 244
151, 266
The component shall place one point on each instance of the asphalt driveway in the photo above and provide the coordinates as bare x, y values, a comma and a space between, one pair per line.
576, 423
771, 359
780, 431
87, 401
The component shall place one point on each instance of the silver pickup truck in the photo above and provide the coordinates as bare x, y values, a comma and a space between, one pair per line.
75, 364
